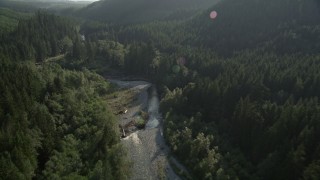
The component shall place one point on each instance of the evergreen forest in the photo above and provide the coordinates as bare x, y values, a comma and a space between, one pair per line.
239, 93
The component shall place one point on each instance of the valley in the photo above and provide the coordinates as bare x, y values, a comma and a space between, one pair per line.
146, 147
212, 90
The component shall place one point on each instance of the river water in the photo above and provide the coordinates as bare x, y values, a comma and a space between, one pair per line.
153, 109
146, 148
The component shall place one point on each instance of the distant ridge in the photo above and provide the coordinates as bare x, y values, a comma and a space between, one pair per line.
243, 24
139, 11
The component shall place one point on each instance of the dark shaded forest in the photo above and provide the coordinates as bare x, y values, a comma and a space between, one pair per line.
239, 93
124, 12
55, 123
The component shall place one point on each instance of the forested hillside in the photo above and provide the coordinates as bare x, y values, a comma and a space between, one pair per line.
283, 27
254, 115
56, 6
9, 19
280, 26
239, 92
39, 37
140, 11
55, 123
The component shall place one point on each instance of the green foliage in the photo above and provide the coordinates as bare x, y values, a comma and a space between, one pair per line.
63, 7
9, 19
240, 92
243, 101
258, 110
56, 125
138, 11
281, 26
140, 122
41, 36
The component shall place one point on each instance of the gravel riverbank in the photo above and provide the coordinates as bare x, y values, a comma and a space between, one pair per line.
146, 148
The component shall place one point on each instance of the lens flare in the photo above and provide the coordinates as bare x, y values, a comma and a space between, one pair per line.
213, 14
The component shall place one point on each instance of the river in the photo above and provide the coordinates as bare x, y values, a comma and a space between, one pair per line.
153, 109
146, 148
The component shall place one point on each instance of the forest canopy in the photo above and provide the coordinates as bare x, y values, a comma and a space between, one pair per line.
239, 93
54, 122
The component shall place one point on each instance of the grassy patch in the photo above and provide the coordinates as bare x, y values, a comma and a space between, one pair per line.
55, 58
120, 99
